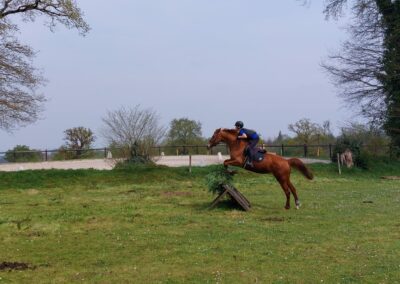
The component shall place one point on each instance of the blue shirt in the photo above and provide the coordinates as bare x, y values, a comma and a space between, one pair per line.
251, 134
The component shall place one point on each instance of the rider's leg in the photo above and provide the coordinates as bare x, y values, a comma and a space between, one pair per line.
252, 149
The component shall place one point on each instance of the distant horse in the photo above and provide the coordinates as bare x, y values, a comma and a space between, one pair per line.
271, 163
346, 158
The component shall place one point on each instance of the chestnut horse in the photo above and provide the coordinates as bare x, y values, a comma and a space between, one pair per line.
271, 163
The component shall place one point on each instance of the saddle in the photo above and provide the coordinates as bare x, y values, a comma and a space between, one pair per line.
258, 155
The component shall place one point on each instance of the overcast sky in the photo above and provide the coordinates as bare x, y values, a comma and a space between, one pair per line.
212, 61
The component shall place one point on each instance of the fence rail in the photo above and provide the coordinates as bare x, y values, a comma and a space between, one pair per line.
319, 151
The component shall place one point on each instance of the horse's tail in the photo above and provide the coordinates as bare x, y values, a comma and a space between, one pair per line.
299, 165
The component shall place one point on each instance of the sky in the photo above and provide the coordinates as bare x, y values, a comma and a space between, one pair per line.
215, 62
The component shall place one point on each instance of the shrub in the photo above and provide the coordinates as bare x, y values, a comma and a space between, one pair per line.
362, 156
217, 178
22, 153
130, 164
63, 153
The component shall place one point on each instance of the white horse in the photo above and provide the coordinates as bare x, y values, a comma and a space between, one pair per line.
346, 158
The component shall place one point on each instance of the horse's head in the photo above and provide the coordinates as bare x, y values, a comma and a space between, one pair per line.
215, 139
222, 135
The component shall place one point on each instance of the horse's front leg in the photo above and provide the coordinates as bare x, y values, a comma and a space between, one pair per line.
232, 162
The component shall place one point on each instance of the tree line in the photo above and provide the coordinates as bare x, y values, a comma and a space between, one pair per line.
133, 132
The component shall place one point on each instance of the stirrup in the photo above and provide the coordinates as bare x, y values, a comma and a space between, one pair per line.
247, 163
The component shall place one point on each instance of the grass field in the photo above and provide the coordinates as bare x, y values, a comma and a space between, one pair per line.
152, 225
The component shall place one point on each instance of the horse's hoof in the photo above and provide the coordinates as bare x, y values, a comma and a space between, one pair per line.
298, 204
287, 207
297, 207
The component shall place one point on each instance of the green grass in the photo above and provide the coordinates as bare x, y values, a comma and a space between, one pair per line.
152, 225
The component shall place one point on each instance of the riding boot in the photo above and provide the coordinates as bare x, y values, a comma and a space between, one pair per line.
249, 161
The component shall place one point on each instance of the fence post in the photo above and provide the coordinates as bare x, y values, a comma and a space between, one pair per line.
197, 149
330, 151
282, 150
305, 150
190, 163
15, 156
159, 150
45, 155
105, 152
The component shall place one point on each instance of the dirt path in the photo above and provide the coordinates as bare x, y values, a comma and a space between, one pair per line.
108, 164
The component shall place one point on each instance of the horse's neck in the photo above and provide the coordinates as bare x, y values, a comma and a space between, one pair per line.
235, 144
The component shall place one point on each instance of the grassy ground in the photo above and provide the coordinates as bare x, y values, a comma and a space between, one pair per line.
152, 225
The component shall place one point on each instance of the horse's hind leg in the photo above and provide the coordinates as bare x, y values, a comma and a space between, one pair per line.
294, 192
286, 189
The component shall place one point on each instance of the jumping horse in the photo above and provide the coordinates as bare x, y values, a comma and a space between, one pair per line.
271, 163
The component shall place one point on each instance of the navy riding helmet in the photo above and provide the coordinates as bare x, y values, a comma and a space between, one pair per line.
239, 124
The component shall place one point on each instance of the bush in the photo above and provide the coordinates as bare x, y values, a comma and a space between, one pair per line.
363, 157
63, 153
22, 153
131, 164
216, 179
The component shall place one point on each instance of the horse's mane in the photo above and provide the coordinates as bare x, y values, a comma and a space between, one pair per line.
231, 131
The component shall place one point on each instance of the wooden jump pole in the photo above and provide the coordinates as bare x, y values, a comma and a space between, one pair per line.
338, 163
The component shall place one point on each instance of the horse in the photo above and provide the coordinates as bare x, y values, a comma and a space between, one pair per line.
346, 158
271, 163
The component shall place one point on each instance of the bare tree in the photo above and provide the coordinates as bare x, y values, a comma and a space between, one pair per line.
20, 103
65, 12
133, 129
304, 129
367, 68
357, 70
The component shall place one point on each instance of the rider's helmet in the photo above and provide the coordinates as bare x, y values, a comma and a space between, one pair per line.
239, 124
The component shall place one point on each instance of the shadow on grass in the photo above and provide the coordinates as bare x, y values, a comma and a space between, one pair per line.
225, 204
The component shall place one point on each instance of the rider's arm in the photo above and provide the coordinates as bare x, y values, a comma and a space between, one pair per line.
243, 136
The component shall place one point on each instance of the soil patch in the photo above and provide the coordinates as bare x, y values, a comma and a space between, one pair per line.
5, 265
274, 219
176, 193
32, 191
392, 177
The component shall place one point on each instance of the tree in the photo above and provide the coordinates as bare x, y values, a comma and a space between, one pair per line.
366, 69
79, 139
134, 129
20, 104
307, 131
22, 153
184, 131
280, 139
304, 129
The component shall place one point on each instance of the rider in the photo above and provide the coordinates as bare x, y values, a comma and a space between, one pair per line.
251, 136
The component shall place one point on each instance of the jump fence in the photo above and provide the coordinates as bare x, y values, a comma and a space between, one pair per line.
322, 151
